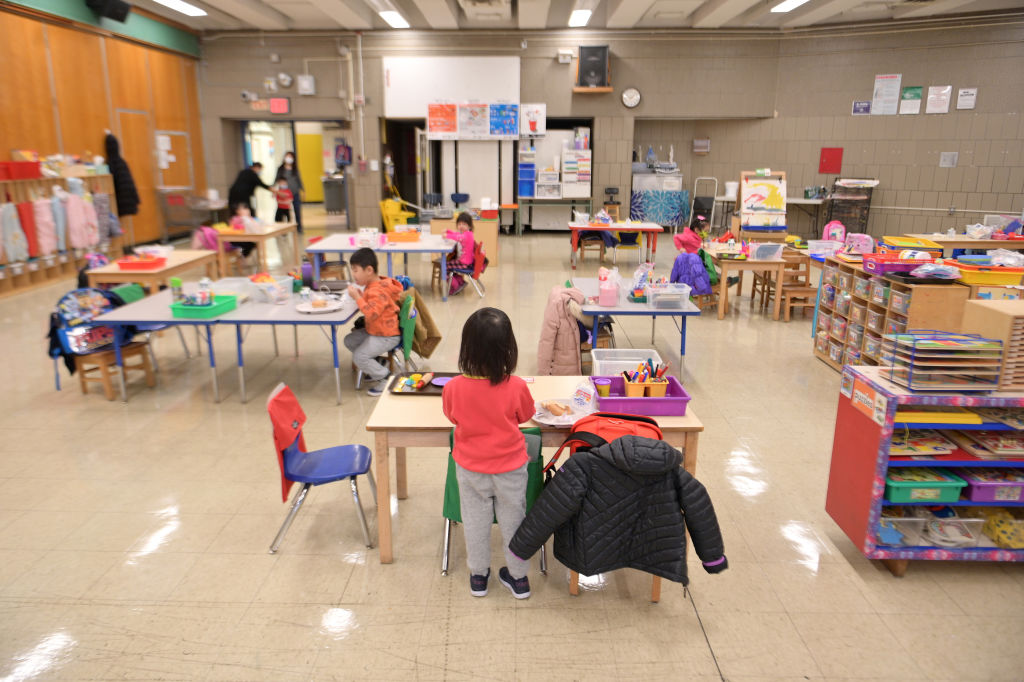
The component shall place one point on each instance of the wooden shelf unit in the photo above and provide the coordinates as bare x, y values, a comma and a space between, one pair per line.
860, 461
1003, 320
22, 276
877, 306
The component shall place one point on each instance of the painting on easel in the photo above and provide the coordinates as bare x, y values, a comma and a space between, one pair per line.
763, 199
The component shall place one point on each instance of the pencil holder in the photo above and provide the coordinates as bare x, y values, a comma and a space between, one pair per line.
634, 390
656, 389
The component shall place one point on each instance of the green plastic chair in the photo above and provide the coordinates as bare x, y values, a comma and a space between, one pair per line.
407, 325
129, 293
452, 509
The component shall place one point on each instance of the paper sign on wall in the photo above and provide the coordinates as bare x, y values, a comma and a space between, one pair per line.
886, 98
163, 142
533, 119
474, 122
831, 160
910, 100
861, 107
938, 99
966, 98
442, 122
504, 121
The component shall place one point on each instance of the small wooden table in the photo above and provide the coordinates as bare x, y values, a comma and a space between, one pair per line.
962, 241
728, 265
401, 421
650, 232
178, 261
260, 240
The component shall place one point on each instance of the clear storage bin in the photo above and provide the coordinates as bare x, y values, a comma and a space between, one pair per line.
858, 313
668, 296
612, 361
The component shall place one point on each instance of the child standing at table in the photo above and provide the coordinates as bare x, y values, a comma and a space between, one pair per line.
377, 298
462, 256
487, 404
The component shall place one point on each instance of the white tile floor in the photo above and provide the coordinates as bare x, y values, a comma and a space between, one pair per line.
133, 537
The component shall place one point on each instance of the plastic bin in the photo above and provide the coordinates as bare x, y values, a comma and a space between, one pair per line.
854, 335
766, 250
835, 351
872, 346
278, 292
845, 280
989, 274
899, 301
140, 265
823, 247
611, 361
672, 404
821, 341
994, 485
882, 263
879, 291
668, 296
526, 189
221, 304
858, 313
547, 176
861, 287
919, 484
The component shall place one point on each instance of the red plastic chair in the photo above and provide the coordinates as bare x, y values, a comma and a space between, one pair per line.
479, 265
312, 468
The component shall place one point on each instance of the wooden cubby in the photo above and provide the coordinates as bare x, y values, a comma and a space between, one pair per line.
22, 276
864, 302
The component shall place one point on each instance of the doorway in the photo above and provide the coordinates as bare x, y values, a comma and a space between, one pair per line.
414, 168
267, 142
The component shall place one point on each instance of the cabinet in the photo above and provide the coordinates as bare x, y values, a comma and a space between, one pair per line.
861, 461
856, 309
1003, 320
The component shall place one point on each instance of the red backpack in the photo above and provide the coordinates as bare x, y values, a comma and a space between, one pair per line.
600, 428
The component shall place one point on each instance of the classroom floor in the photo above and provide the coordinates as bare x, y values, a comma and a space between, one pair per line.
133, 537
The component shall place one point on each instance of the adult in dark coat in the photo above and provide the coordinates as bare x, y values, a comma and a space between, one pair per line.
624, 504
244, 187
125, 193
289, 172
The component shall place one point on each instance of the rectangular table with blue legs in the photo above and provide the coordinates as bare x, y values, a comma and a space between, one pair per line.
346, 243
156, 309
589, 287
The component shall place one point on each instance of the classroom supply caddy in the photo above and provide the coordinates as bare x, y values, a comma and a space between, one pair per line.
895, 244
222, 303
851, 299
863, 465
649, 398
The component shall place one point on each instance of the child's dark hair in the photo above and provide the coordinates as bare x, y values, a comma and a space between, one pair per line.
364, 258
464, 217
489, 347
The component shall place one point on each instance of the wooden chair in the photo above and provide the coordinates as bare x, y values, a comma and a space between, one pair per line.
798, 297
593, 243
613, 211
797, 274
104, 363
435, 277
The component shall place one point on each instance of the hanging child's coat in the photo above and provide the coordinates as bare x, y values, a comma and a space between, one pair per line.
60, 219
15, 244
81, 232
26, 216
101, 202
46, 230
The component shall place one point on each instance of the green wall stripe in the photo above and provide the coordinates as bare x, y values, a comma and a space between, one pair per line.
137, 26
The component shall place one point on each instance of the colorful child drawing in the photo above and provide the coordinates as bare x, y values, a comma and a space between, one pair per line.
764, 196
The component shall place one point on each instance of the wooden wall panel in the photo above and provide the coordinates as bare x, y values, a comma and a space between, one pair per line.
129, 75
167, 78
137, 145
26, 117
80, 87
195, 129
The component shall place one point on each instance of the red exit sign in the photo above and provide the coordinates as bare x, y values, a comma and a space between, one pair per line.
280, 105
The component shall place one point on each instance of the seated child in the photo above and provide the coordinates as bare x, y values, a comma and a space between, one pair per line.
284, 198
462, 256
243, 221
377, 298
690, 240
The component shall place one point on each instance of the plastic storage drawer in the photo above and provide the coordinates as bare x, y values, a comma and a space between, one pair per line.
919, 484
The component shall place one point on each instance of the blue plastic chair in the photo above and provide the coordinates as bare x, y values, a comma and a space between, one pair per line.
459, 198
324, 466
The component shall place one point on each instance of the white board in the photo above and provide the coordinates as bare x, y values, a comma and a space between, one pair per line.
411, 83
478, 170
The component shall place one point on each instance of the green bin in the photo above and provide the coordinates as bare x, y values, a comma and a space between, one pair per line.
222, 303
920, 484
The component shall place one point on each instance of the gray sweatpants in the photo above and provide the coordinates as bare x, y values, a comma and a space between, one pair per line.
366, 348
485, 497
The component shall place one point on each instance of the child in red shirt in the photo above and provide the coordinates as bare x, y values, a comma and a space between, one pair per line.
487, 404
284, 198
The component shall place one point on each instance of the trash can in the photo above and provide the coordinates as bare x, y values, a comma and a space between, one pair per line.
335, 195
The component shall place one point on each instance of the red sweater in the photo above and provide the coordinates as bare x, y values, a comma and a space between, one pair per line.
487, 419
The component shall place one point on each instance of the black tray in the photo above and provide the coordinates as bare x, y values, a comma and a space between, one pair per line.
429, 389
904, 278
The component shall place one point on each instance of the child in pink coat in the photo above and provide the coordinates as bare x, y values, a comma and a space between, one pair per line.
462, 256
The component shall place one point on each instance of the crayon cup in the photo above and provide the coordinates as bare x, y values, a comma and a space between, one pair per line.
634, 390
656, 389
604, 387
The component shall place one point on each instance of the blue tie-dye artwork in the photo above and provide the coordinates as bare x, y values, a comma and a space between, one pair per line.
667, 208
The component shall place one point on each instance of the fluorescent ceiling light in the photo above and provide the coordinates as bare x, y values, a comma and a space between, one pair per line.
788, 5
394, 19
579, 17
183, 7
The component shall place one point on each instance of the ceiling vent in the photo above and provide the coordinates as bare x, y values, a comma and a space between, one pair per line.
487, 10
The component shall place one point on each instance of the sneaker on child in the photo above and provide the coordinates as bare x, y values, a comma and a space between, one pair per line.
478, 584
378, 387
520, 587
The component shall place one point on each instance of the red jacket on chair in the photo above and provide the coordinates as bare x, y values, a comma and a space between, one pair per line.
287, 418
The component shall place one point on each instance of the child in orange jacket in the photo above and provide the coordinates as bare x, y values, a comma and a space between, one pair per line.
377, 298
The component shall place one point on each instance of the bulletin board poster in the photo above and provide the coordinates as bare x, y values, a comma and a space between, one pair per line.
474, 122
533, 120
442, 122
504, 121
910, 100
885, 100
938, 99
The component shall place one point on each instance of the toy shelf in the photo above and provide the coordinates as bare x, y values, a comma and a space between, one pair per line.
987, 426
958, 503
865, 420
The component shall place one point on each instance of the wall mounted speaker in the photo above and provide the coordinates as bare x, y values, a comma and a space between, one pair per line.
593, 69
111, 9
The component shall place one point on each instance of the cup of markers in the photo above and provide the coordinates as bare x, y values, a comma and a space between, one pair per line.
647, 380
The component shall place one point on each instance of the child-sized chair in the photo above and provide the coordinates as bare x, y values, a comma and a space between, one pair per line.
103, 364
627, 241
479, 265
312, 468
129, 293
407, 325
452, 510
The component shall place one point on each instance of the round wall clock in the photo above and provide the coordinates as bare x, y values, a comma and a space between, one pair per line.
631, 97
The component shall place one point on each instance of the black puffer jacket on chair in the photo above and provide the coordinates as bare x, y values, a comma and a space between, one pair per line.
621, 505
